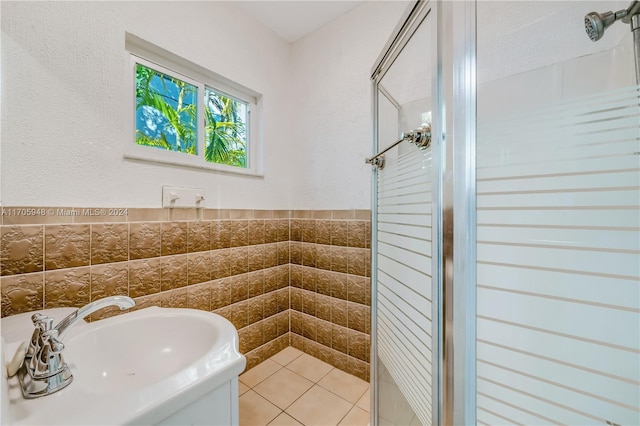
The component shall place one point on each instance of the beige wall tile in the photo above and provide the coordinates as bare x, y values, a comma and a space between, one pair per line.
309, 254
185, 214
339, 287
309, 231
271, 279
256, 311
199, 267
67, 246
147, 215
356, 233
256, 257
309, 303
324, 333
339, 232
147, 301
323, 307
358, 317
174, 238
256, 280
323, 232
174, 298
297, 296
339, 259
339, 312
199, 296
363, 215
240, 314
270, 255
270, 231
309, 327
283, 299
283, 276
144, 240
220, 293
283, 253
199, 236
220, 263
270, 328
295, 252
270, 304
67, 287
323, 282
240, 214
239, 260
282, 320
144, 277
21, 249
109, 242
295, 230
239, 288
283, 230
339, 338
343, 214
358, 345
256, 232
111, 279
211, 214
22, 293
358, 368
323, 257
239, 233
309, 279
174, 272
359, 290
356, 261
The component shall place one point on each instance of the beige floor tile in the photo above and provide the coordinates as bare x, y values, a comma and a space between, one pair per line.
309, 367
285, 420
283, 387
286, 355
356, 417
242, 388
365, 401
319, 407
259, 373
344, 385
255, 410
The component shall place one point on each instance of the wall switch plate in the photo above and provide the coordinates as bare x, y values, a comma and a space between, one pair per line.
182, 198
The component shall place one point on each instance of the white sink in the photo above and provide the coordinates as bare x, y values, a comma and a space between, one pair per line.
143, 367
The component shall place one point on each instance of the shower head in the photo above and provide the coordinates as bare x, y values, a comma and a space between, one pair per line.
596, 23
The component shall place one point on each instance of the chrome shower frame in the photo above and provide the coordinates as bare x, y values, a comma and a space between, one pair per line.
453, 56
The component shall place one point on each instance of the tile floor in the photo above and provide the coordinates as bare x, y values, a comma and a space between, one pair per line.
293, 388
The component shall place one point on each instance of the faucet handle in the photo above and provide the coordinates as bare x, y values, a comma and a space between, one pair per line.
43, 322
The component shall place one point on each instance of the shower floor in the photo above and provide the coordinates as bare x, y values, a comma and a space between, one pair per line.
293, 388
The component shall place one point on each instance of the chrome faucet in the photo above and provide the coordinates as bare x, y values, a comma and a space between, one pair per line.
43, 370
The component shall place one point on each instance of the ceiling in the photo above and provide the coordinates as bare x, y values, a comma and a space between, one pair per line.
292, 20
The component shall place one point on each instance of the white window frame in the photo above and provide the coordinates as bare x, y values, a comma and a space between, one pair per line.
151, 56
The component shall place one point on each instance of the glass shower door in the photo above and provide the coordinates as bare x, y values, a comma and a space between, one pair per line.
402, 290
558, 218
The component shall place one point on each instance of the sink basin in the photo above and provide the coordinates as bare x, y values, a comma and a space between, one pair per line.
138, 368
155, 345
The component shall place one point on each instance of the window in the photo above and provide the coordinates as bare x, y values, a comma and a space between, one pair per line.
187, 115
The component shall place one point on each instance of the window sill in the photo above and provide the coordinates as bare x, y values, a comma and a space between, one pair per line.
196, 165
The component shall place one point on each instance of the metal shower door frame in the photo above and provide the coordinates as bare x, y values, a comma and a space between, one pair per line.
453, 58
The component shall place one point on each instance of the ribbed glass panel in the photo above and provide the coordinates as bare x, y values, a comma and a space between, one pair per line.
404, 276
558, 263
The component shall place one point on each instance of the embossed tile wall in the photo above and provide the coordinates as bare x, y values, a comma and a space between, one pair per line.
280, 277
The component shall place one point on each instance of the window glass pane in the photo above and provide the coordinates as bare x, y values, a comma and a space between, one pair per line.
166, 111
225, 129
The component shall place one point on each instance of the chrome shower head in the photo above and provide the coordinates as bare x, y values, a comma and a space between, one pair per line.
595, 24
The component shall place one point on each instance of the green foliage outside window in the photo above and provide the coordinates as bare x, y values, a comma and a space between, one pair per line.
166, 117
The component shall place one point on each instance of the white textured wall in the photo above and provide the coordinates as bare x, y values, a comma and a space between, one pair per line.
332, 96
64, 68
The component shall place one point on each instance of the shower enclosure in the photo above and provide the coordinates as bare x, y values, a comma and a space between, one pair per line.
506, 206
